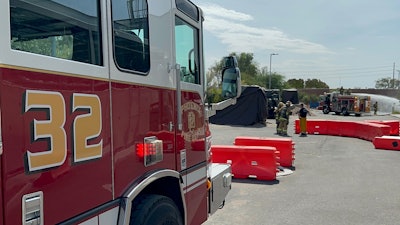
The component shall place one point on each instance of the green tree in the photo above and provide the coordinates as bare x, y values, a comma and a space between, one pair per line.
309, 83
295, 83
248, 68
278, 81
213, 75
253, 75
307, 99
214, 94
386, 82
246, 63
315, 83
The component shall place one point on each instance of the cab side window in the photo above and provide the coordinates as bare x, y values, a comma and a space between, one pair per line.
131, 35
58, 29
187, 51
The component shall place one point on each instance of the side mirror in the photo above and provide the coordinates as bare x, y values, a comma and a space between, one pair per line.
231, 79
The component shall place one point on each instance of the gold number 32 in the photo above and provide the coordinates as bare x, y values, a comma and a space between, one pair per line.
85, 127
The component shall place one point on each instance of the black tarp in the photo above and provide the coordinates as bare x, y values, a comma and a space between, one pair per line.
249, 109
290, 95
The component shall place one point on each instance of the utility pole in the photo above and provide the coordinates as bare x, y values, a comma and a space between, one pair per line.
394, 69
398, 76
270, 72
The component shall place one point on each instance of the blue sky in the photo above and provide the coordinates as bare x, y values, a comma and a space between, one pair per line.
349, 43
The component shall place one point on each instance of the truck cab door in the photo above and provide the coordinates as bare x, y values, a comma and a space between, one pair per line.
190, 88
190, 129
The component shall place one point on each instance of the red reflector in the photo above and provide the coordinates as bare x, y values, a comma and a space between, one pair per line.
139, 150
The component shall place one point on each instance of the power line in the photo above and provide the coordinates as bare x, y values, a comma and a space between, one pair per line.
357, 74
336, 69
344, 73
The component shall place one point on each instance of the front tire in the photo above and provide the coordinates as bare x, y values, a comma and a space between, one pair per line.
325, 110
155, 210
345, 112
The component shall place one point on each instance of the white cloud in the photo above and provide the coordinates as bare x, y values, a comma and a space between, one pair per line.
351, 49
229, 26
214, 10
312, 42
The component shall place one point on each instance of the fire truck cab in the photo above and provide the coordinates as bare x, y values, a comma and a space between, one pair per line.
102, 114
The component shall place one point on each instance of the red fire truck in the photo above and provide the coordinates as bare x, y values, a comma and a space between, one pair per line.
102, 114
346, 104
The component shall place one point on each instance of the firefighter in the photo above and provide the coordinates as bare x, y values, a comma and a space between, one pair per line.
341, 91
375, 108
284, 119
277, 116
303, 112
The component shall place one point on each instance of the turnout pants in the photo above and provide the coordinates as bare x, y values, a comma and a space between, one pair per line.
283, 125
303, 125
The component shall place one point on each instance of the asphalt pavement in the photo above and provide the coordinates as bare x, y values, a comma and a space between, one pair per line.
335, 180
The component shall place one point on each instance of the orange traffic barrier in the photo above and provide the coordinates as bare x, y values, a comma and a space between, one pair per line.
368, 131
347, 128
387, 143
313, 126
394, 125
359, 129
285, 147
247, 161
316, 126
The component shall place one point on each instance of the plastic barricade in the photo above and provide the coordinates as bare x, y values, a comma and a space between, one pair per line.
313, 126
247, 161
347, 128
285, 147
317, 126
296, 126
334, 128
368, 131
394, 125
359, 129
387, 143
